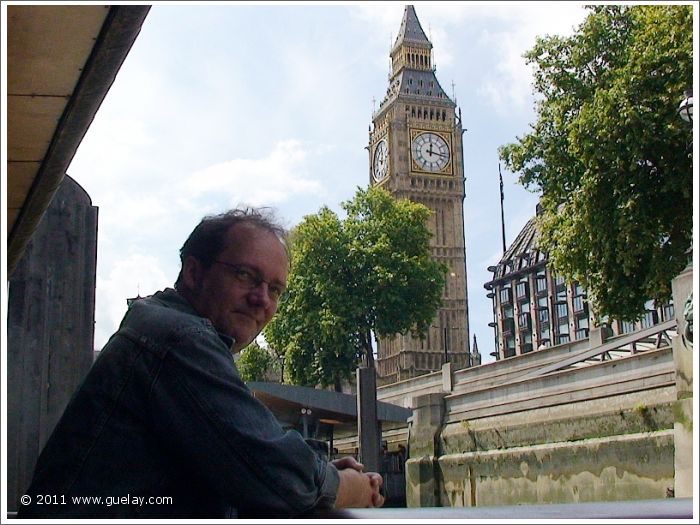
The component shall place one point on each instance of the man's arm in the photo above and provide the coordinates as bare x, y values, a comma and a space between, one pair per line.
208, 420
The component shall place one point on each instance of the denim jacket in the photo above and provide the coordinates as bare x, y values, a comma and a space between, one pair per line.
163, 413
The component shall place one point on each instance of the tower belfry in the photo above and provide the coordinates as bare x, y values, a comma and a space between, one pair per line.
415, 146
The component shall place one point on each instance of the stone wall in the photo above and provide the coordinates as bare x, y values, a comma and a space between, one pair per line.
634, 466
683, 407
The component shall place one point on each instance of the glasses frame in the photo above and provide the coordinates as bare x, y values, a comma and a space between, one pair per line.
250, 279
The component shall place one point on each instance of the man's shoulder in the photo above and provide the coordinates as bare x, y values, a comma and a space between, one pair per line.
164, 316
167, 303
165, 323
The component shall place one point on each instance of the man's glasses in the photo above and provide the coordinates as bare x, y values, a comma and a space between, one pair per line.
249, 280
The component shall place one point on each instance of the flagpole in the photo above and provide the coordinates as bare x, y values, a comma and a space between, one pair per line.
503, 222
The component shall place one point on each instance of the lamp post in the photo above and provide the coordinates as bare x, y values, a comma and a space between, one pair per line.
685, 110
281, 358
369, 428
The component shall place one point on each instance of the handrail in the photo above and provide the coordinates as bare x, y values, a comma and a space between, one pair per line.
605, 347
671, 508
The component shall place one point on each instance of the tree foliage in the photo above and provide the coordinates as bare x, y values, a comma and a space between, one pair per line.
610, 153
255, 362
369, 273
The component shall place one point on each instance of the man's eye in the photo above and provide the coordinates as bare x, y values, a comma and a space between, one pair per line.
245, 276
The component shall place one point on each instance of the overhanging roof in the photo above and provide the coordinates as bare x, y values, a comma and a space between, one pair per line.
333, 407
61, 61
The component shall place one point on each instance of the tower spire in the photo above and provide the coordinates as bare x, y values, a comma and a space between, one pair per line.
412, 49
475, 358
411, 31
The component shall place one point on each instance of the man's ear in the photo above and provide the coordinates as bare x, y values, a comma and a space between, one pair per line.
192, 272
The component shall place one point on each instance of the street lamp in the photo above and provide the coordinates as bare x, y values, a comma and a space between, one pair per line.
685, 110
281, 358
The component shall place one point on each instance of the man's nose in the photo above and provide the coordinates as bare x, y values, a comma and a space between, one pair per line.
260, 293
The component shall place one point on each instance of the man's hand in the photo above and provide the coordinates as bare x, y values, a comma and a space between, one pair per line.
376, 481
357, 489
348, 462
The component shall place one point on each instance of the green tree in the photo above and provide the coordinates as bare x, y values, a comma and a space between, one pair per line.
610, 154
371, 273
255, 362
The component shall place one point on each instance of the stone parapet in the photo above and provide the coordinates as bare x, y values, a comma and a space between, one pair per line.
426, 425
649, 371
565, 423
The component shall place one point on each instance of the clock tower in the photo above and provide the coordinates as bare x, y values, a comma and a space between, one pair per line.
415, 149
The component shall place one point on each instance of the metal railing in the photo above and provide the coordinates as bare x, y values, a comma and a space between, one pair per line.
671, 508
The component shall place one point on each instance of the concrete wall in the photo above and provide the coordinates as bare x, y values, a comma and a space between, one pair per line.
50, 331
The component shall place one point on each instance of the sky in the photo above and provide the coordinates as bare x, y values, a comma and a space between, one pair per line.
223, 105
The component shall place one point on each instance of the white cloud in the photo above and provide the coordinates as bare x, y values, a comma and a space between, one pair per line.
135, 274
125, 209
266, 181
508, 83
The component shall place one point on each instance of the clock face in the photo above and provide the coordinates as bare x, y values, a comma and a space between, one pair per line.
381, 160
430, 151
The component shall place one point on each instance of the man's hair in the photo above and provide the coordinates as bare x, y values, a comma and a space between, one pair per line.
207, 240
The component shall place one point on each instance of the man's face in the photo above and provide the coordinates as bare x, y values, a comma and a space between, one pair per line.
224, 293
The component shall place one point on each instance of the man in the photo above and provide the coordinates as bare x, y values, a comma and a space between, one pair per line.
164, 427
